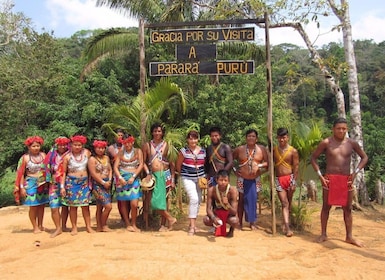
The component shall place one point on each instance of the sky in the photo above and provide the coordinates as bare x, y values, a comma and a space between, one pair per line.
65, 17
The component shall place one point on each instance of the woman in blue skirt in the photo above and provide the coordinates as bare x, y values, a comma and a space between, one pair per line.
127, 167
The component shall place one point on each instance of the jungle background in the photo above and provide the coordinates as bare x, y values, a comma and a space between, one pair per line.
51, 87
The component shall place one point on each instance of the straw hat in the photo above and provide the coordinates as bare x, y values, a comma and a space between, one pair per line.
147, 185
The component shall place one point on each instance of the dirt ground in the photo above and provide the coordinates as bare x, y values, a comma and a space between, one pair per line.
175, 255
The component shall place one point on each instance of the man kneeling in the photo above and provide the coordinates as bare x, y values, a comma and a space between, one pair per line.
222, 204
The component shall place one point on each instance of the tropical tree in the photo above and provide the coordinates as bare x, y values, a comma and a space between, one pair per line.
164, 103
305, 139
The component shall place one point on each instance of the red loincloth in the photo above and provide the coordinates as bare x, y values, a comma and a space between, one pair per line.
221, 214
338, 189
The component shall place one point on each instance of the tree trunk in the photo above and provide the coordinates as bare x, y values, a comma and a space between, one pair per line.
380, 192
142, 74
354, 94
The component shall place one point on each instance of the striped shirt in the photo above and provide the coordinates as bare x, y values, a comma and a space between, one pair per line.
193, 166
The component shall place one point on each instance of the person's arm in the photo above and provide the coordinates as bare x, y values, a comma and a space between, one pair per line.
19, 182
116, 168
209, 204
295, 166
64, 175
265, 162
109, 182
229, 158
236, 157
233, 201
92, 170
364, 157
179, 162
314, 157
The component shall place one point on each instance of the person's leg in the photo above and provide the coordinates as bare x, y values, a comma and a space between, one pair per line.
74, 219
233, 221
124, 214
324, 215
192, 193
348, 219
167, 217
134, 214
105, 214
87, 218
33, 218
55, 214
98, 215
40, 216
64, 217
240, 209
282, 195
250, 198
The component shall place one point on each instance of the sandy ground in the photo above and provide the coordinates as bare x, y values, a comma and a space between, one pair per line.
174, 255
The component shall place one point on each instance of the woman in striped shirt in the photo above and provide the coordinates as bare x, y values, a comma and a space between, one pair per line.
190, 165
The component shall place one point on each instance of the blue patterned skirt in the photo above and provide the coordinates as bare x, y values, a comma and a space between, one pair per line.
77, 190
128, 192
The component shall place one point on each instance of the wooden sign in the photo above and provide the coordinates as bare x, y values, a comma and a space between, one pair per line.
224, 67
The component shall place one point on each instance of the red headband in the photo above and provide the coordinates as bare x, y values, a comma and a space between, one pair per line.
62, 140
30, 140
79, 138
130, 139
99, 144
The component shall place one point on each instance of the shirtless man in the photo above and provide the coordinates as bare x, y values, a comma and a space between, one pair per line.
222, 205
218, 156
157, 163
251, 158
286, 161
338, 150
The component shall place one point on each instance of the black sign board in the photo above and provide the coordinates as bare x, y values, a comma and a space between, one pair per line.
196, 52
224, 67
207, 35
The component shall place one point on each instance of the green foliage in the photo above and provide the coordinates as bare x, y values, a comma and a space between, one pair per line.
6, 188
301, 216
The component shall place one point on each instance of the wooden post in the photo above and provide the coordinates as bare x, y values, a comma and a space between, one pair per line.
270, 123
142, 78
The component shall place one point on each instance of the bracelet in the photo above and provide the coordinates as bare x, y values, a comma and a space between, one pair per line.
134, 176
260, 165
357, 170
148, 172
319, 173
121, 177
61, 186
21, 187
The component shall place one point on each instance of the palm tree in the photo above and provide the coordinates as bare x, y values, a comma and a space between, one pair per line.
305, 139
160, 103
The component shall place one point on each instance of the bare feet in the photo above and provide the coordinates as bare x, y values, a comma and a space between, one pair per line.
230, 233
171, 222
130, 229
65, 229
36, 230
163, 228
98, 229
191, 231
253, 227
106, 229
354, 242
136, 229
289, 233
322, 238
42, 228
74, 231
56, 233
90, 230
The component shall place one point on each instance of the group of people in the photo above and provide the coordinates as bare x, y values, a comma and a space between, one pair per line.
68, 174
